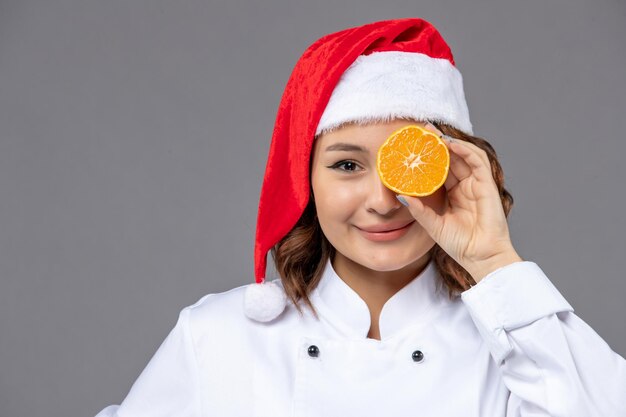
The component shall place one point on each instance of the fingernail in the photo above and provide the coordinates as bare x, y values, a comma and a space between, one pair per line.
434, 128
448, 138
402, 200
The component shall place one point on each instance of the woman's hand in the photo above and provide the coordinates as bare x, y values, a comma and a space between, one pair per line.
473, 229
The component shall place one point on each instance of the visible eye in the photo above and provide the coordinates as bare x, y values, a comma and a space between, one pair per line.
350, 166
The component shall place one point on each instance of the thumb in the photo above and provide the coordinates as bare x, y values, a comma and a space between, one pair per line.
424, 215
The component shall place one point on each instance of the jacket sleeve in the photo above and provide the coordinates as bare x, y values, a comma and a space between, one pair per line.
169, 384
553, 363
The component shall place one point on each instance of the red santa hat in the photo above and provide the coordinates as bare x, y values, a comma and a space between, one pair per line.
400, 68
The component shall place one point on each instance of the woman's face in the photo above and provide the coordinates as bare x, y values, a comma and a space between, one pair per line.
350, 197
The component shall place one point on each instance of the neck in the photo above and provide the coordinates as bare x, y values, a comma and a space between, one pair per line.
376, 287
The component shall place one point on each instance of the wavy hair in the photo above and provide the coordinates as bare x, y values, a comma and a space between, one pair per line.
300, 256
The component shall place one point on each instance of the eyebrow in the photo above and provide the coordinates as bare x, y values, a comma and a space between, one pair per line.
346, 147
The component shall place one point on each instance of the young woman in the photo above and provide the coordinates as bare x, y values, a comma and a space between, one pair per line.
386, 304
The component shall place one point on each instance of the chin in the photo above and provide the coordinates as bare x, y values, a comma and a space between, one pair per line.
385, 262
394, 259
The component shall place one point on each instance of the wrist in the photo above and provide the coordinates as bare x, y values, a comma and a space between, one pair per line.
481, 269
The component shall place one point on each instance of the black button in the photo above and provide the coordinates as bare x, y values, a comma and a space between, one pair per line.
418, 356
314, 351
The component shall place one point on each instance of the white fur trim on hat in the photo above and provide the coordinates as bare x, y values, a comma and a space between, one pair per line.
265, 301
395, 84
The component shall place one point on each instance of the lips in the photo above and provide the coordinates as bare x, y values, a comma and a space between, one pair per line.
380, 228
389, 232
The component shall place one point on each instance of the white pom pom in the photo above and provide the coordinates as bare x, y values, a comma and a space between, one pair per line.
264, 302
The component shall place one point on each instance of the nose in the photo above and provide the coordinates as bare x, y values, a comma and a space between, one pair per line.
381, 199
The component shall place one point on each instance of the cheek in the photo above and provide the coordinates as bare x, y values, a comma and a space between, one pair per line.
334, 199
337, 198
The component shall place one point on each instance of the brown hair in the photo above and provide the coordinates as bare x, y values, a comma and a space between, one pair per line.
300, 256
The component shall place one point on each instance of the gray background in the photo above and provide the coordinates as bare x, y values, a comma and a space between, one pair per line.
133, 143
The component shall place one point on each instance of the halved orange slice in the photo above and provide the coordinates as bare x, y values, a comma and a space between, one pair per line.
413, 161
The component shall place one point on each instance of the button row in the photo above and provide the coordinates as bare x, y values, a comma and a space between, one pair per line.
417, 355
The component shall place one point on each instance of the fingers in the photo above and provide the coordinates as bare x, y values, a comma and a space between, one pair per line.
474, 158
431, 127
428, 218
474, 149
452, 178
458, 167
465, 158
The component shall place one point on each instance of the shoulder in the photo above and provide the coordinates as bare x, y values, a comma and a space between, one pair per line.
218, 307
223, 312
217, 327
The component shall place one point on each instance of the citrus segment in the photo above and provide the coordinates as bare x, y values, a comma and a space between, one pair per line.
413, 161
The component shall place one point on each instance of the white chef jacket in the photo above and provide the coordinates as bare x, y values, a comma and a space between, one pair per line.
509, 346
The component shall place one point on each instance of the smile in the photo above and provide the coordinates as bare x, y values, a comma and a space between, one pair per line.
386, 236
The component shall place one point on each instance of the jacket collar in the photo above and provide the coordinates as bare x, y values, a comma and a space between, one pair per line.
411, 305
